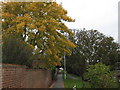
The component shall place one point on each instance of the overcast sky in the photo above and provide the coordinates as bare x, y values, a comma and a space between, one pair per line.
101, 15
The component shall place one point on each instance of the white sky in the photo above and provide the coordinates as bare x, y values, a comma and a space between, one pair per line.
101, 15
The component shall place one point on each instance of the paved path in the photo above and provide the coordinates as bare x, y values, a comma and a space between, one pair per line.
72, 77
59, 82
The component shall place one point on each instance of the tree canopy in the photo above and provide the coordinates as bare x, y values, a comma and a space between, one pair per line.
40, 24
92, 47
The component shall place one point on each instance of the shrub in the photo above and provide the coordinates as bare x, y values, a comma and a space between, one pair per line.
16, 51
53, 69
100, 76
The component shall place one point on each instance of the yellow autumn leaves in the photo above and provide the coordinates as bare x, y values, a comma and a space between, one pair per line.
38, 23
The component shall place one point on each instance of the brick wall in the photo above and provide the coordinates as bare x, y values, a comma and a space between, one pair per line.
17, 76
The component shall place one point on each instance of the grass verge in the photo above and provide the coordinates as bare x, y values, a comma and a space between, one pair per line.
70, 83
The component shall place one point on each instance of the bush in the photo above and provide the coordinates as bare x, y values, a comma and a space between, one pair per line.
100, 76
16, 51
53, 74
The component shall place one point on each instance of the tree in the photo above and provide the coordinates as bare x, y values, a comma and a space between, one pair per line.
100, 76
92, 47
97, 47
40, 24
16, 51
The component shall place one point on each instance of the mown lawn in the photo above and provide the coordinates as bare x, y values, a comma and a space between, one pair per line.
69, 82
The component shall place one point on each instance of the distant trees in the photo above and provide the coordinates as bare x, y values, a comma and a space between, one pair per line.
92, 47
39, 24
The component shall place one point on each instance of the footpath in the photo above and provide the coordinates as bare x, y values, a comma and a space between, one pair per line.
72, 77
59, 83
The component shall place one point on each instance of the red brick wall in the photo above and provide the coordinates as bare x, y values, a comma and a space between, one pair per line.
17, 76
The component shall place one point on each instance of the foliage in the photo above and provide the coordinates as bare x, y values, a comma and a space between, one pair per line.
40, 24
16, 51
97, 47
92, 47
75, 64
54, 73
100, 76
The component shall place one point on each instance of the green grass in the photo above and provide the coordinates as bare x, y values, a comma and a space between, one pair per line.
69, 82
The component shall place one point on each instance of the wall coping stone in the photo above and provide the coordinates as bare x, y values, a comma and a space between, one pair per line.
13, 66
